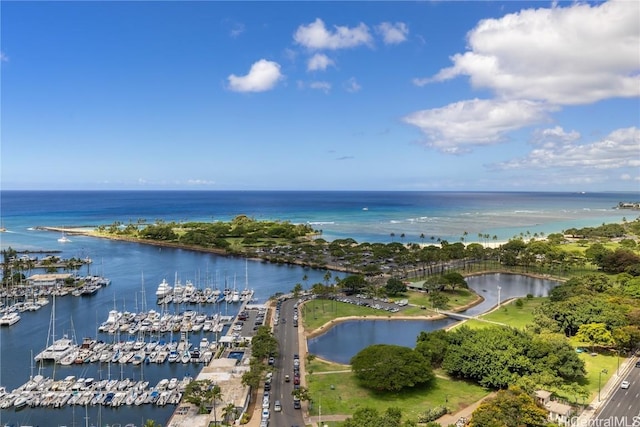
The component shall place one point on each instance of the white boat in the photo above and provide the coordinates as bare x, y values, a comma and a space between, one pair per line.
9, 319
164, 289
64, 238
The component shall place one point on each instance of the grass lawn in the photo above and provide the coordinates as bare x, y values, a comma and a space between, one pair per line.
510, 314
457, 298
340, 393
317, 312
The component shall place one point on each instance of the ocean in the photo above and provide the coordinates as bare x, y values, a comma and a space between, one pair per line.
135, 270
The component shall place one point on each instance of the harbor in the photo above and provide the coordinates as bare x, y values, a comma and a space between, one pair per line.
151, 338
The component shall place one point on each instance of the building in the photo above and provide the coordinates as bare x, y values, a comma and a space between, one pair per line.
559, 413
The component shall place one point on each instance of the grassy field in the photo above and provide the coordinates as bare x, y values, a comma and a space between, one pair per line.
317, 312
340, 393
510, 314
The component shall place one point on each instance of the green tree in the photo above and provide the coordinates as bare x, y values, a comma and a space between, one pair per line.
201, 393
433, 346
509, 408
438, 299
394, 286
596, 334
386, 367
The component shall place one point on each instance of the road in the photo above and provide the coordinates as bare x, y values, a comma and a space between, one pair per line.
287, 336
623, 406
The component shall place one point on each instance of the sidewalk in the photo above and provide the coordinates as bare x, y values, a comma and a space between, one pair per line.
593, 408
466, 412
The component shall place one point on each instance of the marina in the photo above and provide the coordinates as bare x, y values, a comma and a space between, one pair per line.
46, 392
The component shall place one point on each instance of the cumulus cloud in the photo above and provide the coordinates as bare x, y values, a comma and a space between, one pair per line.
459, 126
262, 76
393, 33
319, 61
317, 36
565, 56
618, 150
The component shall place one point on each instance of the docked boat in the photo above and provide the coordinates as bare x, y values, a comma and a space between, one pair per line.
9, 319
57, 351
164, 290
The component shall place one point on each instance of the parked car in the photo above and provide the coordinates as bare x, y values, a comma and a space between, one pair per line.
296, 404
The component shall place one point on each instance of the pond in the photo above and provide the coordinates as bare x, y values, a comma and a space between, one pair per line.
344, 340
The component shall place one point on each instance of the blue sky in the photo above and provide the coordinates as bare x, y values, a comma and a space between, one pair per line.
321, 95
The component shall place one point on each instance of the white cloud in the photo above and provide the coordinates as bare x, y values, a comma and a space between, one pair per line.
618, 150
317, 36
352, 85
572, 55
3, 57
262, 76
393, 33
319, 61
323, 86
461, 125
236, 30
554, 136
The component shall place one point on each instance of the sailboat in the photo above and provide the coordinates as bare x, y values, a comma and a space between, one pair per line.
64, 238
58, 349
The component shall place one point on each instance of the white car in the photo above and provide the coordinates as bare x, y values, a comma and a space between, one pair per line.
277, 407
625, 384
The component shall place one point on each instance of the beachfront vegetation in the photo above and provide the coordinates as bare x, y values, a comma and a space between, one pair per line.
384, 367
611, 248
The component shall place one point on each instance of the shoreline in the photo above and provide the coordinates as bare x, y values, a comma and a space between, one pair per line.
331, 323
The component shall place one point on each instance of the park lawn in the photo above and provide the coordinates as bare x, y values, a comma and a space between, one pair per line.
326, 366
317, 312
457, 298
341, 394
510, 314
514, 316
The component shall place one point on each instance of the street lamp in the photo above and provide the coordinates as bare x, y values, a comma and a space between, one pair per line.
604, 371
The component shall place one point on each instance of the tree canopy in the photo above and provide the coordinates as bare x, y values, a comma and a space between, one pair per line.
385, 367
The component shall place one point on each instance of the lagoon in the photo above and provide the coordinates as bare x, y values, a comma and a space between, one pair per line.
345, 339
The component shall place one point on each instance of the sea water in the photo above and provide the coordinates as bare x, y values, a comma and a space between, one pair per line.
135, 270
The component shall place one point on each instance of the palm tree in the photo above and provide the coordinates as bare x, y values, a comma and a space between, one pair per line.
216, 393
229, 413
